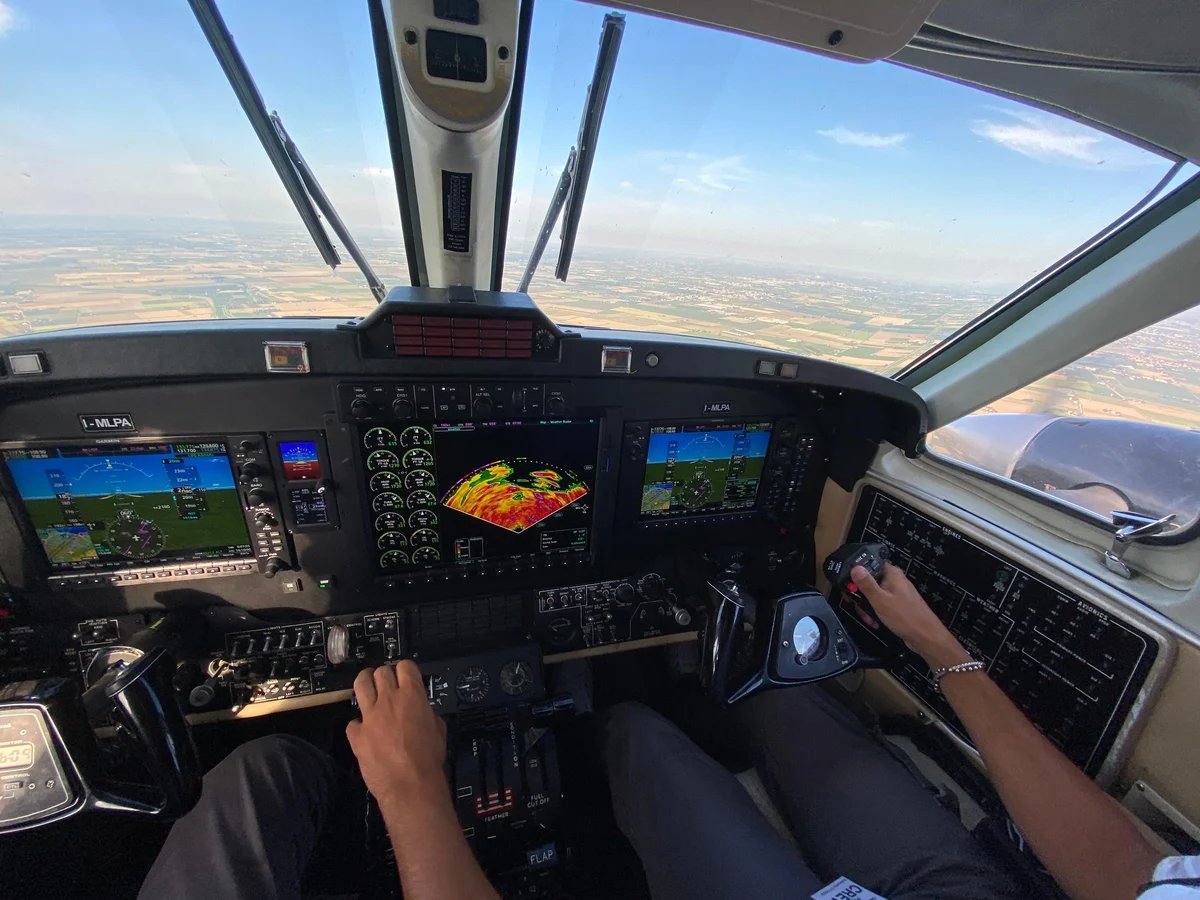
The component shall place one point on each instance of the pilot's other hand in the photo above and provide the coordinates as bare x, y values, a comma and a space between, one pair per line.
400, 741
900, 607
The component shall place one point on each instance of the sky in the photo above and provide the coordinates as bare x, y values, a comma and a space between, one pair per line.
712, 144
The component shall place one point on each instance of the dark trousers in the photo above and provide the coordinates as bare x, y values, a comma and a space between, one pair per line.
254, 828
852, 807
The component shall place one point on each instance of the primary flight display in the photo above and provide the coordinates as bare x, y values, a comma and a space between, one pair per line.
694, 468
112, 506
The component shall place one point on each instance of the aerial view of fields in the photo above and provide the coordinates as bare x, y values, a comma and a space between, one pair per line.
60, 275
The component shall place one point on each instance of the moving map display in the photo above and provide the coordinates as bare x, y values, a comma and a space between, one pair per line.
699, 468
98, 507
456, 494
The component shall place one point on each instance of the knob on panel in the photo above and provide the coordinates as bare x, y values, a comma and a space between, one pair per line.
555, 404
401, 409
483, 406
362, 409
337, 645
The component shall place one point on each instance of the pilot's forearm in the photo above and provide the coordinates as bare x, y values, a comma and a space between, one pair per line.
432, 856
1081, 834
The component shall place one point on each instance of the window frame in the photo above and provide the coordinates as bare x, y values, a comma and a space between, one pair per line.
1060, 275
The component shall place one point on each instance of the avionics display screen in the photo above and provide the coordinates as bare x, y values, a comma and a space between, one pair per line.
112, 506
456, 494
694, 469
301, 461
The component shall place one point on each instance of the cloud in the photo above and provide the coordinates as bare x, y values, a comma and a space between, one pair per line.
863, 138
1043, 137
376, 171
699, 173
626, 185
8, 18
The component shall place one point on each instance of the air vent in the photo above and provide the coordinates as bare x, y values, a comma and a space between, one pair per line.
465, 336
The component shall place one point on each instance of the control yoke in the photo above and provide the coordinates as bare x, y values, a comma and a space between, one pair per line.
751, 646
51, 766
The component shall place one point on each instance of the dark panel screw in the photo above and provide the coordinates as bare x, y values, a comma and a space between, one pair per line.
835, 37
502, 53
410, 36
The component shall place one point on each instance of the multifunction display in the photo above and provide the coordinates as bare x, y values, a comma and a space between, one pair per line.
1072, 667
100, 507
457, 494
703, 468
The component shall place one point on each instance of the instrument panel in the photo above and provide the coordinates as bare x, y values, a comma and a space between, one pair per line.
1074, 668
463, 500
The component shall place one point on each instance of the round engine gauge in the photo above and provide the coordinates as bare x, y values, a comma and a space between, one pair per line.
472, 685
424, 556
515, 677
386, 502
416, 436
389, 521
384, 481
424, 537
391, 540
382, 459
423, 518
393, 559
418, 478
378, 438
418, 458
421, 498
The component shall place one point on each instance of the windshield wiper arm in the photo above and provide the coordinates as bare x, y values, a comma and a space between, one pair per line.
298, 180
572, 184
552, 211
323, 203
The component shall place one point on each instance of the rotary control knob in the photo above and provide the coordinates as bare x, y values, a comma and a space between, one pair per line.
257, 496
653, 586
274, 566
363, 409
625, 593
250, 471
402, 408
555, 404
264, 518
483, 406
337, 645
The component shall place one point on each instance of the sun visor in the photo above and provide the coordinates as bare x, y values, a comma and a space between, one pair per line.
855, 30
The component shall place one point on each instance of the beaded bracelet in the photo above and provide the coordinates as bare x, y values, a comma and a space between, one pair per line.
938, 674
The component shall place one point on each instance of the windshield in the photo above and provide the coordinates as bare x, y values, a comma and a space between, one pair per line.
749, 191
741, 189
133, 189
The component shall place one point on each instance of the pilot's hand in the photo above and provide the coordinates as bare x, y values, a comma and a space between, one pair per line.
900, 607
400, 742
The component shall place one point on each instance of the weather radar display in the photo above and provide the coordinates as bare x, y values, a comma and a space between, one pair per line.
703, 468
515, 494
105, 507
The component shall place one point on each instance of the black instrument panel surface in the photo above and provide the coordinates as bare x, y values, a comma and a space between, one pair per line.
1072, 667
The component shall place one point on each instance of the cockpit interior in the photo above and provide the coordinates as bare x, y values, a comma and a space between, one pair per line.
228, 489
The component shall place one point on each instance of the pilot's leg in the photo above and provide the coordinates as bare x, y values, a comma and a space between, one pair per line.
254, 828
854, 808
697, 832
